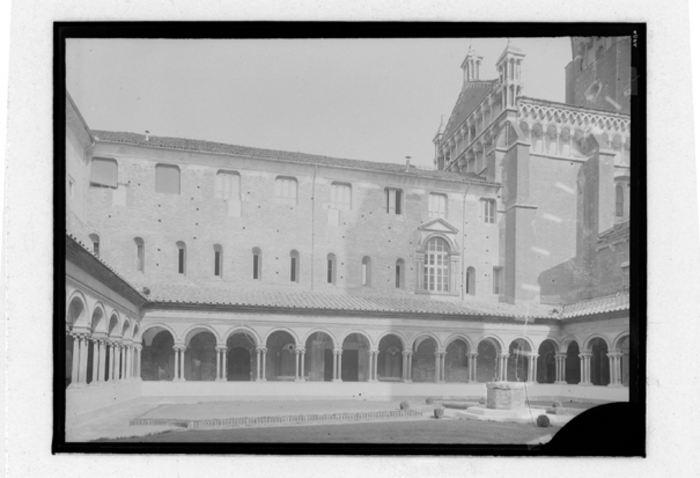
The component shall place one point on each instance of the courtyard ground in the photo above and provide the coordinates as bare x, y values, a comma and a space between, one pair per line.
417, 431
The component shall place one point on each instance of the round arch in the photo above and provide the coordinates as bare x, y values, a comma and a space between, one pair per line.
454, 248
325, 331
242, 329
493, 340
97, 323
157, 325
546, 360
342, 338
420, 336
319, 344
113, 327
458, 336
618, 340
587, 343
81, 320
126, 328
567, 341
395, 333
193, 330
523, 340
282, 329
158, 355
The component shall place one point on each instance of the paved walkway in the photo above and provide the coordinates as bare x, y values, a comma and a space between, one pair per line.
117, 425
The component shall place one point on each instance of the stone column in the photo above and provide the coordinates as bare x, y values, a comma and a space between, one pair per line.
585, 368
438, 372
374, 354
102, 357
182, 363
614, 359
258, 374
128, 361
503, 368
76, 360
95, 359
110, 365
560, 368
407, 376
532, 372
117, 361
336, 375
123, 361
176, 371
301, 356
137, 365
82, 371
471, 367
443, 359
263, 351
219, 364
340, 365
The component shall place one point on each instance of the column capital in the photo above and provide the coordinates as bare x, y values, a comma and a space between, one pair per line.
337, 351
261, 349
533, 355
374, 351
504, 355
221, 348
300, 350
614, 354
583, 355
473, 354
407, 353
560, 355
440, 353
182, 347
138, 347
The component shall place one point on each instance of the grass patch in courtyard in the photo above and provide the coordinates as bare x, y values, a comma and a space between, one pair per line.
405, 432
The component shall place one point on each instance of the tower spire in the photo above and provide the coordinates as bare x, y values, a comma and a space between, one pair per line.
471, 66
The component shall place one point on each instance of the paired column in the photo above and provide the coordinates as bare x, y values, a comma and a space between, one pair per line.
110, 365
503, 367
407, 366
220, 363
532, 367
337, 365
300, 357
102, 368
439, 367
471, 367
560, 368
127, 360
373, 356
615, 361
79, 365
179, 363
261, 362
585, 368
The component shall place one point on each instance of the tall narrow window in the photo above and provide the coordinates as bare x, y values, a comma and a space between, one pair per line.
95, 239
286, 191
104, 172
394, 198
437, 206
330, 269
294, 266
436, 271
366, 271
140, 254
488, 210
400, 273
218, 260
167, 179
257, 263
497, 277
619, 201
181, 258
228, 186
341, 196
470, 285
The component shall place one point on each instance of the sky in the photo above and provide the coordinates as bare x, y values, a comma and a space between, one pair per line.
375, 100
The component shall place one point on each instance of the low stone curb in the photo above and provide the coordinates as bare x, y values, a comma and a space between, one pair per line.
276, 420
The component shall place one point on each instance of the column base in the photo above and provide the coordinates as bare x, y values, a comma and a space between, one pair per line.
336, 380
77, 385
615, 385
587, 384
408, 380
560, 382
472, 381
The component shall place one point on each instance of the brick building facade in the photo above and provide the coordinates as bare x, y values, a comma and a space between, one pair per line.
190, 262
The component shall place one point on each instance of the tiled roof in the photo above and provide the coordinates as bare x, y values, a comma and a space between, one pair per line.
599, 305
194, 145
618, 231
471, 95
185, 294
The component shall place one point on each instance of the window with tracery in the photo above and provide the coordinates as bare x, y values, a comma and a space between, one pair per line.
436, 271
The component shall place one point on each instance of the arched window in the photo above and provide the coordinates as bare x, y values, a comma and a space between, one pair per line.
436, 271
257, 263
181, 258
218, 260
400, 274
140, 254
95, 239
294, 266
619, 201
366, 271
330, 269
167, 179
470, 285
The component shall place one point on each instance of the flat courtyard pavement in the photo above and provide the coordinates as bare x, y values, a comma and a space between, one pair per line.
416, 431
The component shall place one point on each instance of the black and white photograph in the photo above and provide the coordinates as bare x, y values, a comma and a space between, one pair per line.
378, 241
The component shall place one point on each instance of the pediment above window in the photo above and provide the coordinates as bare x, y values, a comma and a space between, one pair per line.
438, 228
438, 225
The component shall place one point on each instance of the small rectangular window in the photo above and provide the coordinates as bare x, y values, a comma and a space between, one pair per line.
341, 196
167, 179
488, 211
256, 266
96, 248
394, 199
217, 263
228, 186
140, 256
497, 273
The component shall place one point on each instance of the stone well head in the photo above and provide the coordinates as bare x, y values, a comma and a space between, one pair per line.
505, 395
